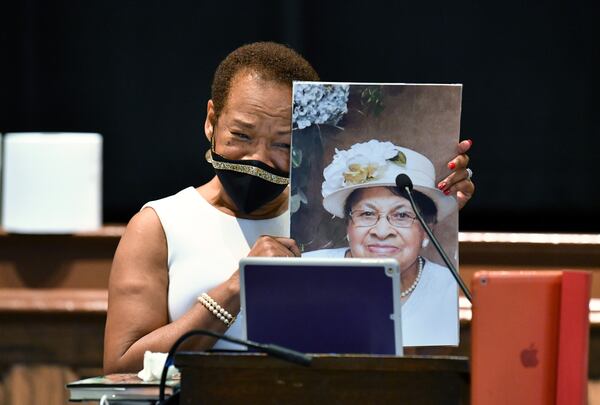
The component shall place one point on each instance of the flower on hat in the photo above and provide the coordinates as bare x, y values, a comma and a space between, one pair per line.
362, 163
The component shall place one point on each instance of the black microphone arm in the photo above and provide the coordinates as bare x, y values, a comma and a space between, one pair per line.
404, 182
271, 349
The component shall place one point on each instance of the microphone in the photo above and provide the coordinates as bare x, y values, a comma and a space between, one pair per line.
403, 182
280, 352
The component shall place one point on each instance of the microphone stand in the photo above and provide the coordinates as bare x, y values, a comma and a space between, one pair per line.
438, 247
280, 352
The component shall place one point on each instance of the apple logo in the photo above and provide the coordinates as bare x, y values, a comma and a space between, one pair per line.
529, 356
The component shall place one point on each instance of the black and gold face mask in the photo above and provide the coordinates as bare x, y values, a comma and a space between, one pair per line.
249, 183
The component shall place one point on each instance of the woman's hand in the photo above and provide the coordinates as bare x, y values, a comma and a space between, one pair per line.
266, 246
459, 181
271, 246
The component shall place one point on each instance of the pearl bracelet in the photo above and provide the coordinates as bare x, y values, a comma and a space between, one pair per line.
216, 309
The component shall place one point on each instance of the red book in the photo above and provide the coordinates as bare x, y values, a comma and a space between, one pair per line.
574, 332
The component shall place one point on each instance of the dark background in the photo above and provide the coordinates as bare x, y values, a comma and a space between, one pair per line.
139, 73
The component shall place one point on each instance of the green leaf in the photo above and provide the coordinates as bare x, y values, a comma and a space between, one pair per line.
296, 157
294, 203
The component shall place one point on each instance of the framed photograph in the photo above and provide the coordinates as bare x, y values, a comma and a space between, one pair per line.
350, 143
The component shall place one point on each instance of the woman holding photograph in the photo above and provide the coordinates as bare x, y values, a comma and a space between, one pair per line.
360, 187
177, 261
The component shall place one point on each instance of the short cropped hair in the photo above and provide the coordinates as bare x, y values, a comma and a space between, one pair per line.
271, 61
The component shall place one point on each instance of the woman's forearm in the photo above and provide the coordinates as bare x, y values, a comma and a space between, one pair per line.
161, 340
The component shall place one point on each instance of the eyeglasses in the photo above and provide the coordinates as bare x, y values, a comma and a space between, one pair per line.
398, 219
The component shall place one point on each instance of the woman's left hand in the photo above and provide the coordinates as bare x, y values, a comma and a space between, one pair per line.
459, 181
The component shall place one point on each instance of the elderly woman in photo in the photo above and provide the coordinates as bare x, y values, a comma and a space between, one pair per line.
360, 187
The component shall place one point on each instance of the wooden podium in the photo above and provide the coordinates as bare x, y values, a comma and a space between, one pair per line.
232, 378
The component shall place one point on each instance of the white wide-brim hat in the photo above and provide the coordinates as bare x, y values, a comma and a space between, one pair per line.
374, 164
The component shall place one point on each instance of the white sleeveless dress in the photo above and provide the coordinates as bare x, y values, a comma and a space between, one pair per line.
205, 246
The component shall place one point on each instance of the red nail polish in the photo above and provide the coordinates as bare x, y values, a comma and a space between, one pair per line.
470, 142
451, 165
447, 191
442, 185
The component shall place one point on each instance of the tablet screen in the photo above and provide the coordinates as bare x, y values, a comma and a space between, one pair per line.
321, 307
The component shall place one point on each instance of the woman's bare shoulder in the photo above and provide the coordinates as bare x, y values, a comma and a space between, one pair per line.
146, 223
143, 244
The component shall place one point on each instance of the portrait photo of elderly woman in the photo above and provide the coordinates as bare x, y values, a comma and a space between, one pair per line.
360, 187
350, 142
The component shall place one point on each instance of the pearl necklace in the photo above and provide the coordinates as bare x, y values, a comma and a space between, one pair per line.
414, 284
